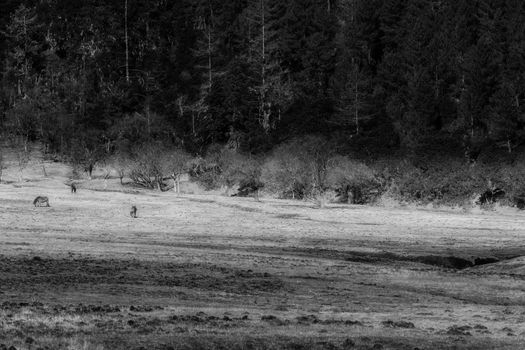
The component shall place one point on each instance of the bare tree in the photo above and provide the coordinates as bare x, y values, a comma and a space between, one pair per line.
256, 18
231, 164
121, 164
284, 172
206, 49
250, 176
352, 179
300, 165
147, 166
22, 151
175, 163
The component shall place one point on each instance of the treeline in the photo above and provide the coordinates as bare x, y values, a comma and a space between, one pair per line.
436, 89
310, 168
381, 76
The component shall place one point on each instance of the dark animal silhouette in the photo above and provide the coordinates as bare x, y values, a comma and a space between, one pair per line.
519, 200
249, 188
73, 188
133, 212
41, 201
491, 196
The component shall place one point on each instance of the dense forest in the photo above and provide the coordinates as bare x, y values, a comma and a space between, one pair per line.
376, 78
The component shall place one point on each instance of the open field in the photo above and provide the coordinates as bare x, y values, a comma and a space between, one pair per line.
206, 271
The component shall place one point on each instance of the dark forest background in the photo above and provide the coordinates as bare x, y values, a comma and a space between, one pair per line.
436, 85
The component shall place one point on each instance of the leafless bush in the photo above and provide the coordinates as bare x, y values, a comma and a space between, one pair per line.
121, 163
85, 154
512, 181
284, 172
225, 167
22, 151
151, 165
231, 164
441, 181
250, 177
355, 182
299, 168
146, 168
205, 172
175, 163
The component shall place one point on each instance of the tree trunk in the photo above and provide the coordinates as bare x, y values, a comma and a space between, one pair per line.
350, 198
227, 191
210, 51
176, 183
147, 111
321, 200
356, 104
210, 76
263, 114
126, 39
193, 123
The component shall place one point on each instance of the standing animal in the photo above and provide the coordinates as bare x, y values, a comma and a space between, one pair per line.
73, 188
133, 212
41, 201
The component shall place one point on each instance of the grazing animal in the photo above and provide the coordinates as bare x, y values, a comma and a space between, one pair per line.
133, 212
73, 188
41, 201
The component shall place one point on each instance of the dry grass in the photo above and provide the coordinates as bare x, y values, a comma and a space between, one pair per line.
208, 271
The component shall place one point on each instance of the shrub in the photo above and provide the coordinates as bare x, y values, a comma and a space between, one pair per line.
146, 168
284, 172
152, 164
442, 182
354, 181
86, 152
219, 168
316, 153
511, 179
205, 172
298, 169
175, 163
121, 163
22, 150
226, 167
231, 165
250, 177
